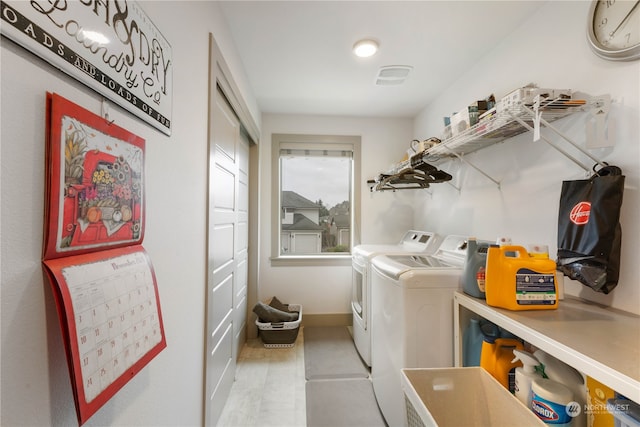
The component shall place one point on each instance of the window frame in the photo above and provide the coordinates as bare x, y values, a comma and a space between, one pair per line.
324, 142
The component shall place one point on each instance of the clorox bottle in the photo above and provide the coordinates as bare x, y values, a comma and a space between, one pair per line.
520, 282
552, 402
569, 377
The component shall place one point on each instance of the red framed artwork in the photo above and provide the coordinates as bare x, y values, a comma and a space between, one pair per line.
95, 182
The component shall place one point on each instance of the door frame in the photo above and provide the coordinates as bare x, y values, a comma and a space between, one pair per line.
220, 76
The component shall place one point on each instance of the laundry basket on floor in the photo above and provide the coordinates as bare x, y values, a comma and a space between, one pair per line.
280, 334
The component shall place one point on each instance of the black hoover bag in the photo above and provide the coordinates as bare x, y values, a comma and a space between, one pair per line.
589, 232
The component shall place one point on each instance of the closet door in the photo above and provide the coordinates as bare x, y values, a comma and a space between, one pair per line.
241, 246
227, 254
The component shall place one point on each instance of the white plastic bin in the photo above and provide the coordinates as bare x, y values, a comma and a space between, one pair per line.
454, 397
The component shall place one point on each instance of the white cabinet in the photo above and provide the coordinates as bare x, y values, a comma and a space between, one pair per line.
601, 342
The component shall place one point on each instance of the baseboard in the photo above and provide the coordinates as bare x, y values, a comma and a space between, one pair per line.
332, 319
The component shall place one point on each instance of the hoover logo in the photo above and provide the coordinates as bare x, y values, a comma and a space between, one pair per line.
545, 413
580, 213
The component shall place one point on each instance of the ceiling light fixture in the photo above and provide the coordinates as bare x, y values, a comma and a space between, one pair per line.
365, 48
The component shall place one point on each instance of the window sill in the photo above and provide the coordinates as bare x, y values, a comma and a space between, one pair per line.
312, 261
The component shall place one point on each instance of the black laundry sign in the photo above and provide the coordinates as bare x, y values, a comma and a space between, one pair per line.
111, 46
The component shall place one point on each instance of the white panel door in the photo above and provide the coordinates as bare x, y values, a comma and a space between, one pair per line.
227, 254
241, 245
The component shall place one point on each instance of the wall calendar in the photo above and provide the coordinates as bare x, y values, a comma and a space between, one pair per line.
103, 280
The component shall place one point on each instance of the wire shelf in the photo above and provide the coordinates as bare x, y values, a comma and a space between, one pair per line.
501, 125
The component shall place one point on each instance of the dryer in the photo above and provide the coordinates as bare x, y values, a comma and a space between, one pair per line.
412, 318
413, 241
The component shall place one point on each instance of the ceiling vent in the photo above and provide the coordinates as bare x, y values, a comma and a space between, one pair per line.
392, 75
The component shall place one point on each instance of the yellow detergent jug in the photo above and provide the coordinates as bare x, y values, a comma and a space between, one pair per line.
496, 357
519, 281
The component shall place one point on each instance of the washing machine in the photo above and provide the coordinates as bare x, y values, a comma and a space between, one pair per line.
412, 318
413, 241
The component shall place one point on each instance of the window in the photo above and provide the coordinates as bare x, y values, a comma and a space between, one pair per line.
315, 194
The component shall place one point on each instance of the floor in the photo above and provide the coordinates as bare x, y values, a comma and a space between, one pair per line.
269, 389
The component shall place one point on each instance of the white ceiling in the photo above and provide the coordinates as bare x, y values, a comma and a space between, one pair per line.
298, 59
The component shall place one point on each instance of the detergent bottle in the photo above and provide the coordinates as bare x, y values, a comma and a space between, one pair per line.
472, 338
473, 273
525, 375
542, 251
539, 251
520, 282
496, 358
505, 241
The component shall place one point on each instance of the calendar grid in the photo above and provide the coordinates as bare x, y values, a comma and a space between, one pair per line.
117, 319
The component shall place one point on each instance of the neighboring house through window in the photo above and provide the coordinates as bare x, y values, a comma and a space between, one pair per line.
315, 192
300, 232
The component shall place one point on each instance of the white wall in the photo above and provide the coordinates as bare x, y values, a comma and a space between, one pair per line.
385, 216
550, 49
35, 380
